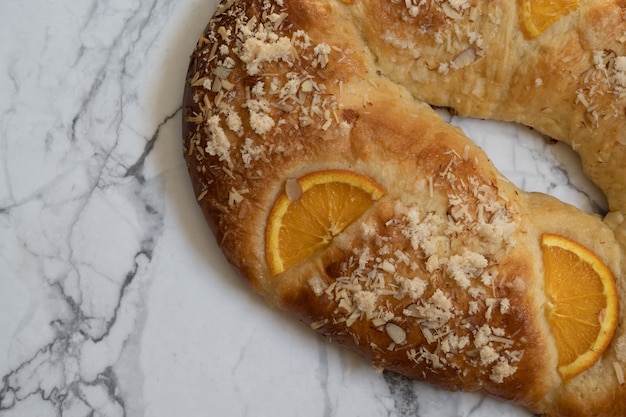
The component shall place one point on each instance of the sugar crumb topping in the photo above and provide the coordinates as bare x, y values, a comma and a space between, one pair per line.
606, 77
460, 42
294, 97
415, 260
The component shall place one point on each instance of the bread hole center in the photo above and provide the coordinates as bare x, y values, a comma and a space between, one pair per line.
533, 162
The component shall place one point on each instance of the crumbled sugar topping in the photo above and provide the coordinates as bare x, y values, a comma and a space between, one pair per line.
294, 96
463, 268
452, 8
220, 145
234, 123
463, 44
425, 280
412, 288
501, 371
260, 121
321, 53
318, 285
606, 77
405, 44
255, 51
251, 152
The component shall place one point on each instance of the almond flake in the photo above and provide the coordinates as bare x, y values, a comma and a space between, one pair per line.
396, 333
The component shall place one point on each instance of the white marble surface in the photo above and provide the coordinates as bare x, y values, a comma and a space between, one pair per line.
114, 298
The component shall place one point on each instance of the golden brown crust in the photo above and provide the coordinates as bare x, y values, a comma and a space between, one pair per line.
441, 280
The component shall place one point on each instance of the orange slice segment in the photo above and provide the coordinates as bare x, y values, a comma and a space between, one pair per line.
312, 210
583, 303
537, 15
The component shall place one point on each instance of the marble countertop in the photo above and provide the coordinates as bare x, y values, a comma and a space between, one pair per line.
114, 297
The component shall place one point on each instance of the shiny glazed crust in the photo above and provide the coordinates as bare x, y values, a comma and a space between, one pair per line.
442, 279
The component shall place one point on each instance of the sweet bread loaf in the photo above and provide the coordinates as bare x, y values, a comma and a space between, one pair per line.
441, 277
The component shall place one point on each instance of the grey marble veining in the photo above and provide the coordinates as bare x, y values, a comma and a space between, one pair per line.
114, 298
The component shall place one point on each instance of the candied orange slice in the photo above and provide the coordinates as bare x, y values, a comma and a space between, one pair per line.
537, 15
312, 210
583, 303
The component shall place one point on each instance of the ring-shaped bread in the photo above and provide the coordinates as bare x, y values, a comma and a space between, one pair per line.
442, 279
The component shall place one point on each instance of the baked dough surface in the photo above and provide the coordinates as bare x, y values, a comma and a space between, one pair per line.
442, 280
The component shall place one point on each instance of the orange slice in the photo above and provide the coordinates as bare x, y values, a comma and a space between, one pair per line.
583, 303
537, 15
312, 210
